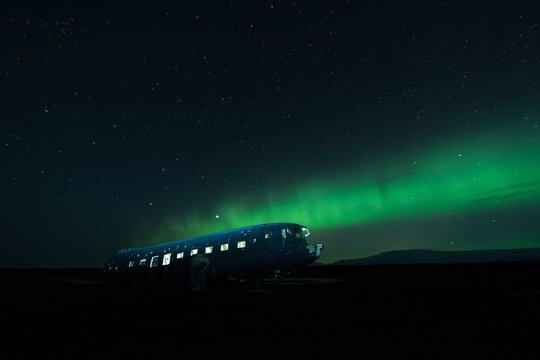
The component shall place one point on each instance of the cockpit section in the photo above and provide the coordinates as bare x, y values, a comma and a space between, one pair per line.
295, 232
301, 233
295, 238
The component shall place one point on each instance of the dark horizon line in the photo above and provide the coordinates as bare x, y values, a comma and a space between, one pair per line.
316, 263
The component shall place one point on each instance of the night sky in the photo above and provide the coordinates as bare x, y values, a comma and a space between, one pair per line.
380, 125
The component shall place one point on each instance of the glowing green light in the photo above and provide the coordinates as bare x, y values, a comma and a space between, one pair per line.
467, 174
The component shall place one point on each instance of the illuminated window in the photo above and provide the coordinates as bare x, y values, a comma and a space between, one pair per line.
208, 250
143, 262
166, 259
267, 236
193, 252
154, 261
283, 233
180, 255
241, 244
131, 263
224, 247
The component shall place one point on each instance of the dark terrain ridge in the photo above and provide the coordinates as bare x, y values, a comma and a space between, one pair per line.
420, 256
330, 311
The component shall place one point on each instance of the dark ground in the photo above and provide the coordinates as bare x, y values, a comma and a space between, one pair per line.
435, 311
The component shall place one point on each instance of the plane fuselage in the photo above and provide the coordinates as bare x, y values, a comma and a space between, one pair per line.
248, 252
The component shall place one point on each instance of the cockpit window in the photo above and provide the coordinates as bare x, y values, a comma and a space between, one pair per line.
301, 233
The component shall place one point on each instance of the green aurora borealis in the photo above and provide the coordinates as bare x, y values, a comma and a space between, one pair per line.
488, 170
380, 126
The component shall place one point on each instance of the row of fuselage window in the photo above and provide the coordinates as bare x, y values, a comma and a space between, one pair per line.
154, 260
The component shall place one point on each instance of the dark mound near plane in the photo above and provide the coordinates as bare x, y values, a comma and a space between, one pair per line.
445, 257
437, 311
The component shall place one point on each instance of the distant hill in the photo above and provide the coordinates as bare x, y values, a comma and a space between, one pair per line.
419, 256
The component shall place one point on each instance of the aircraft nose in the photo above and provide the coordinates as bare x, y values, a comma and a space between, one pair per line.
314, 251
318, 250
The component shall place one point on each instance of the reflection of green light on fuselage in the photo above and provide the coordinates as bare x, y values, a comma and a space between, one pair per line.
464, 175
